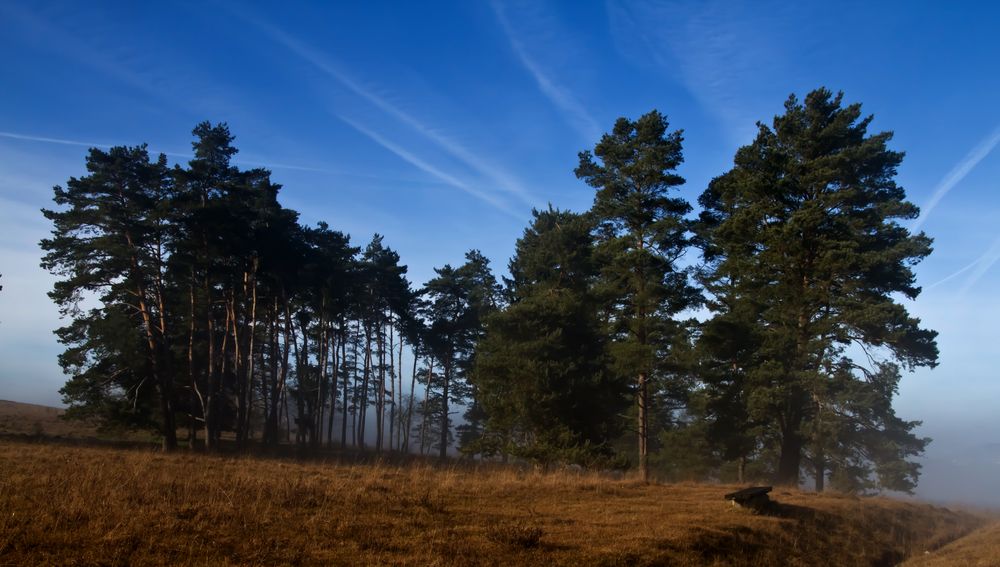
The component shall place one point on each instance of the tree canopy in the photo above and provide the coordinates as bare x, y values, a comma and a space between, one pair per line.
197, 303
806, 261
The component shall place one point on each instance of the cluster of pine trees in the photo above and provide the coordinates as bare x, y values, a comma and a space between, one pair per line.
197, 301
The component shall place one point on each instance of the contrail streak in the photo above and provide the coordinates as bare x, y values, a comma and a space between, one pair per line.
564, 100
78, 143
983, 264
422, 165
61, 141
956, 175
503, 180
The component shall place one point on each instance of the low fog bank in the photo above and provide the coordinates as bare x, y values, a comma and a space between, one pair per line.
962, 465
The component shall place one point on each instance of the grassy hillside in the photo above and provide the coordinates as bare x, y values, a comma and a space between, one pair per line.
77, 505
17, 418
981, 548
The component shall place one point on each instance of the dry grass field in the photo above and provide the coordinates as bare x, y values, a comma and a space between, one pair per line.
981, 548
98, 506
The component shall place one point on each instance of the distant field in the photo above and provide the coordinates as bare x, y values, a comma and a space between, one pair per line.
30, 419
19, 419
77, 505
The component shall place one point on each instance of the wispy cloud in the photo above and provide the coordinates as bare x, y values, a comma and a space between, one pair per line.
957, 174
426, 167
136, 67
78, 143
496, 176
728, 56
29, 138
983, 264
560, 96
979, 267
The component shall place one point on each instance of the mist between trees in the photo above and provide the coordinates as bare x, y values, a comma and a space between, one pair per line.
212, 314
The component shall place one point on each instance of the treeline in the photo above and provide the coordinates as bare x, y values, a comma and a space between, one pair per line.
198, 303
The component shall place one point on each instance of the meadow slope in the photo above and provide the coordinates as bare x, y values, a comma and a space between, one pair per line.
86, 506
980, 548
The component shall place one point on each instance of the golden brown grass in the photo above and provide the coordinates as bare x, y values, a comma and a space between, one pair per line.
981, 548
87, 506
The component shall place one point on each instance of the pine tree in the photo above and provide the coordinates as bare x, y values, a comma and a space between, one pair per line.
805, 251
454, 306
108, 244
642, 233
542, 371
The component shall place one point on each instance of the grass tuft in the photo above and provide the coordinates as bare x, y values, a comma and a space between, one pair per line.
515, 534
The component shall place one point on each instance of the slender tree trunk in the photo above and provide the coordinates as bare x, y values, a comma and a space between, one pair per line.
343, 361
399, 395
286, 366
244, 427
380, 399
363, 404
277, 378
643, 396
336, 339
427, 410
445, 422
409, 405
210, 399
196, 399
356, 383
156, 351
392, 393
324, 354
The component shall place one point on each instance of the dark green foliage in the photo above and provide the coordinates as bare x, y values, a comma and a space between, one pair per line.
454, 305
543, 371
108, 245
805, 262
214, 303
642, 233
195, 298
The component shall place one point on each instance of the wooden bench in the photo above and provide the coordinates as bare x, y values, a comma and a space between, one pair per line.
754, 497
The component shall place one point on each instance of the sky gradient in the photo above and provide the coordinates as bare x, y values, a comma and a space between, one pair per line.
441, 125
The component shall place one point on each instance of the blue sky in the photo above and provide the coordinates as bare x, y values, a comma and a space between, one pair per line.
440, 125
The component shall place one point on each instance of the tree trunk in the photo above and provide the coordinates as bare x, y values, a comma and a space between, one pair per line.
427, 416
249, 367
334, 374
399, 394
343, 361
820, 472
380, 399
643, 396
192, 376
363, 403
445, 425
790, 459
210, 398
392, 392
409, 406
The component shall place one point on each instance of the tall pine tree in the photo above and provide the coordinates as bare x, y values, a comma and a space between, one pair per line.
806, 252
642, 233
109, 243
